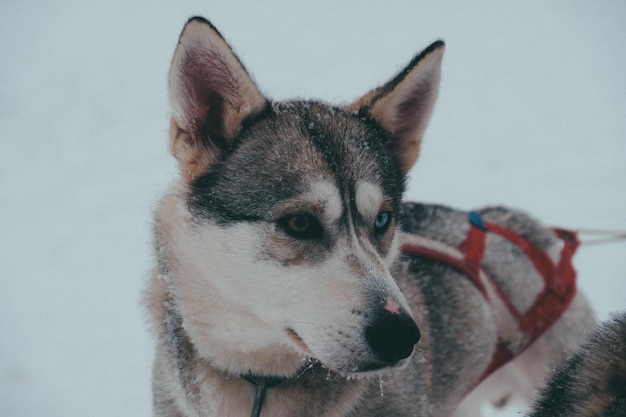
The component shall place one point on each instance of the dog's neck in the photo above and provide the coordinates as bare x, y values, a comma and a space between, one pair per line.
262, 383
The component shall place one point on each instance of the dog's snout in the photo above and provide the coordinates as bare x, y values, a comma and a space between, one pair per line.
392, 336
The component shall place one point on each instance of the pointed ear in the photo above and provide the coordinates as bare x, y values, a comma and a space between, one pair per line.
403, 106
210, 93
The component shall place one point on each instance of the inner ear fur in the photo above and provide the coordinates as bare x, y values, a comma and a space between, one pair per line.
211, 93
404, 105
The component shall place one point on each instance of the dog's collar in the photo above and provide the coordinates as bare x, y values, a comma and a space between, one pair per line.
263, 383
549, 304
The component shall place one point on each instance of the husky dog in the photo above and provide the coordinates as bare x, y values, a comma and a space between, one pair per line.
593, 381
280, 289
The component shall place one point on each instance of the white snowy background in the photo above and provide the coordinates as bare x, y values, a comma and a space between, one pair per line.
532, 114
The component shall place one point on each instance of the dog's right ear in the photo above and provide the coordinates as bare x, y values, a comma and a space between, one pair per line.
210, 93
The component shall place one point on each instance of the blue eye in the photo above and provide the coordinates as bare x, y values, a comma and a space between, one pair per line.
382, 221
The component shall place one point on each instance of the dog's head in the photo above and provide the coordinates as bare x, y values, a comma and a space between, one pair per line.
287, 226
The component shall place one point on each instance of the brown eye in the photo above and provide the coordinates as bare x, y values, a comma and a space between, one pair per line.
299, 223
301, 226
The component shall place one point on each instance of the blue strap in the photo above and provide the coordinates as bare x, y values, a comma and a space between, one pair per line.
476, 221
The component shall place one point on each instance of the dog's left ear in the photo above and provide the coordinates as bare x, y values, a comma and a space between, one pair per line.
211, 93
404, 104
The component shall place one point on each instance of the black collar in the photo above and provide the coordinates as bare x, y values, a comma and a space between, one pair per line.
263, 383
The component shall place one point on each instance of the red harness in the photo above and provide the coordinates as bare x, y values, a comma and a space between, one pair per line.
549, 304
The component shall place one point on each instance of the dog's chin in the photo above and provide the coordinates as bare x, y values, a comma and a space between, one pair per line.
366, 370
350, 370
374, 368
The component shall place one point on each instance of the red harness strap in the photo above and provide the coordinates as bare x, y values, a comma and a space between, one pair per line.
548, 306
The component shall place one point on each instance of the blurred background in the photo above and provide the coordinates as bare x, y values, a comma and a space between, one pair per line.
531, 114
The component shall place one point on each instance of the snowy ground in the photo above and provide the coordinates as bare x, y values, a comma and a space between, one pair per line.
532, 114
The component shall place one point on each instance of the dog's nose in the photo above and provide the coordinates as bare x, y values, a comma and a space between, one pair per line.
392, 336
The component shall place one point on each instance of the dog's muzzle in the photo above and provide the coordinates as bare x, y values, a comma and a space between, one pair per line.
392, 337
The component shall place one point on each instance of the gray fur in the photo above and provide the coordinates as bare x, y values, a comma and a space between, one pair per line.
593, 382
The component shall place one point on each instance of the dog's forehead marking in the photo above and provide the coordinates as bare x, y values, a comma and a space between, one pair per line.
326, 193
369, 198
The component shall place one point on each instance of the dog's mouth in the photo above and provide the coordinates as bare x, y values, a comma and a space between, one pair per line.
295, 337
373, 367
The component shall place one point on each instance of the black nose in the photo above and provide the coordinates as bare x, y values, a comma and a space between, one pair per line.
392, 336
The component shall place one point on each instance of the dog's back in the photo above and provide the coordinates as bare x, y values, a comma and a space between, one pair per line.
452, 300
